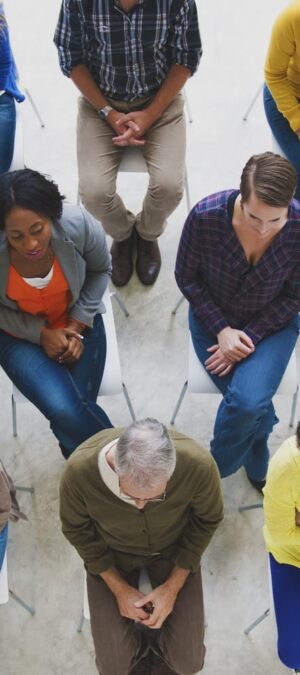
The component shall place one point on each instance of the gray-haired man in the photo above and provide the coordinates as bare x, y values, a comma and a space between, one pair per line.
141, 498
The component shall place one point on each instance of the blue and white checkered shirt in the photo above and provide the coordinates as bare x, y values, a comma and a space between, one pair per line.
128, 53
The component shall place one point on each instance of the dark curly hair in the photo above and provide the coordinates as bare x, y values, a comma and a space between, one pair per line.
30, 190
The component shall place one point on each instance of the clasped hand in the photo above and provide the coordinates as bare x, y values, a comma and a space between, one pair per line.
130, 127
233, 346
131, 601
62, 344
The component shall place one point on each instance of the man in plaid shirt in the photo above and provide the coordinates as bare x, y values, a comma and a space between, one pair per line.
130, 60
238, 264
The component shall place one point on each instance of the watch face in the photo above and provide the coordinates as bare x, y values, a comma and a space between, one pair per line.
102, 114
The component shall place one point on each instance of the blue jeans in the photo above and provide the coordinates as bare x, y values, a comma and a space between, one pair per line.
3, 543
286, 595
246, 415
7, 130
66, 395
284, 134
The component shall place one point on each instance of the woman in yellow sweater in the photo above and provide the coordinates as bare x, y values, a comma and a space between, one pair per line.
282, 537
282, 89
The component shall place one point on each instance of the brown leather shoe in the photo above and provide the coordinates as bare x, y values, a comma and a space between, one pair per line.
148, 261
122, 261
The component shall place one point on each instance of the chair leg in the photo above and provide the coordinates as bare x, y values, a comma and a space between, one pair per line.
128, 401
14, 415
179, 402
30, 99
255, 623
115, 295
248, 111
250, 507
293, 408
178, 303
25, 489
22, 603
81, 622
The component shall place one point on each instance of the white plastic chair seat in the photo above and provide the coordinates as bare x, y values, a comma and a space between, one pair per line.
133, 161
4, 595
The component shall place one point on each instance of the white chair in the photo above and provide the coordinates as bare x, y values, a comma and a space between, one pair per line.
4, 595
144, 586
133, 162
112, 379
5, 591
199, 382
18, 155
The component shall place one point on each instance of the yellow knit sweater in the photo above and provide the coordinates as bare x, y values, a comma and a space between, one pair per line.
282, 69
281, 499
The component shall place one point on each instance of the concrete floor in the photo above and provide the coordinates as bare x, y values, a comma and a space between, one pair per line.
43, 568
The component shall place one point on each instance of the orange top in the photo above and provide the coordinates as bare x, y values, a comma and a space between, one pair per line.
50, 303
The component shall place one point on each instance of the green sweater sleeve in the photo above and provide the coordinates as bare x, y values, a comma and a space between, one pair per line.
79, 528
282, 63
205, 516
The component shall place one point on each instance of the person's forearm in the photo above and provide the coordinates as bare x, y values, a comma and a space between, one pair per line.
172, 85
177, 578
86, 84
113, 580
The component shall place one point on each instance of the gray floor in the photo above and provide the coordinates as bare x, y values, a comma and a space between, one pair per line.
43, 568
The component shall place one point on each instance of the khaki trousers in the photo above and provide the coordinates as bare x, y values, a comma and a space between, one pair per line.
98, 163
120, 643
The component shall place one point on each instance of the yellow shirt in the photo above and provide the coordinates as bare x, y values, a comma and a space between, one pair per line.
281, 498
282, 69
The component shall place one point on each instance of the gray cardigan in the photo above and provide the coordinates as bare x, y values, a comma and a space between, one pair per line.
79, 244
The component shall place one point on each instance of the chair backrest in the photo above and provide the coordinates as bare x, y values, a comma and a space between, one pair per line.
4, 595
199, 382
18, 156
133, 161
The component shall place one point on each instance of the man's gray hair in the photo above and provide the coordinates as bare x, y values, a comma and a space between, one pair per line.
145, 453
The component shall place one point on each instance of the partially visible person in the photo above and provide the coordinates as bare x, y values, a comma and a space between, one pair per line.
238, 265
282, 537
130, 60
9, 93
282, 88
55, 268
143, 498
9, 508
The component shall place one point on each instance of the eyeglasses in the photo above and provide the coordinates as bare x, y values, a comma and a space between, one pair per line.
130, 498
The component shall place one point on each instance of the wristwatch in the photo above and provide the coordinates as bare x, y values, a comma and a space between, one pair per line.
104, 112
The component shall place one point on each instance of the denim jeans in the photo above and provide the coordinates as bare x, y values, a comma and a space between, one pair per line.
7, 130
3, 543
286, 595
284, 134
246, 415
66, 395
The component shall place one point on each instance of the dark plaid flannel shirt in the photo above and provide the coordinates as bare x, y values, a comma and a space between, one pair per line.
223, 288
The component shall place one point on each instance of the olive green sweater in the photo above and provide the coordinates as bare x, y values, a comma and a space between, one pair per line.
107, 531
